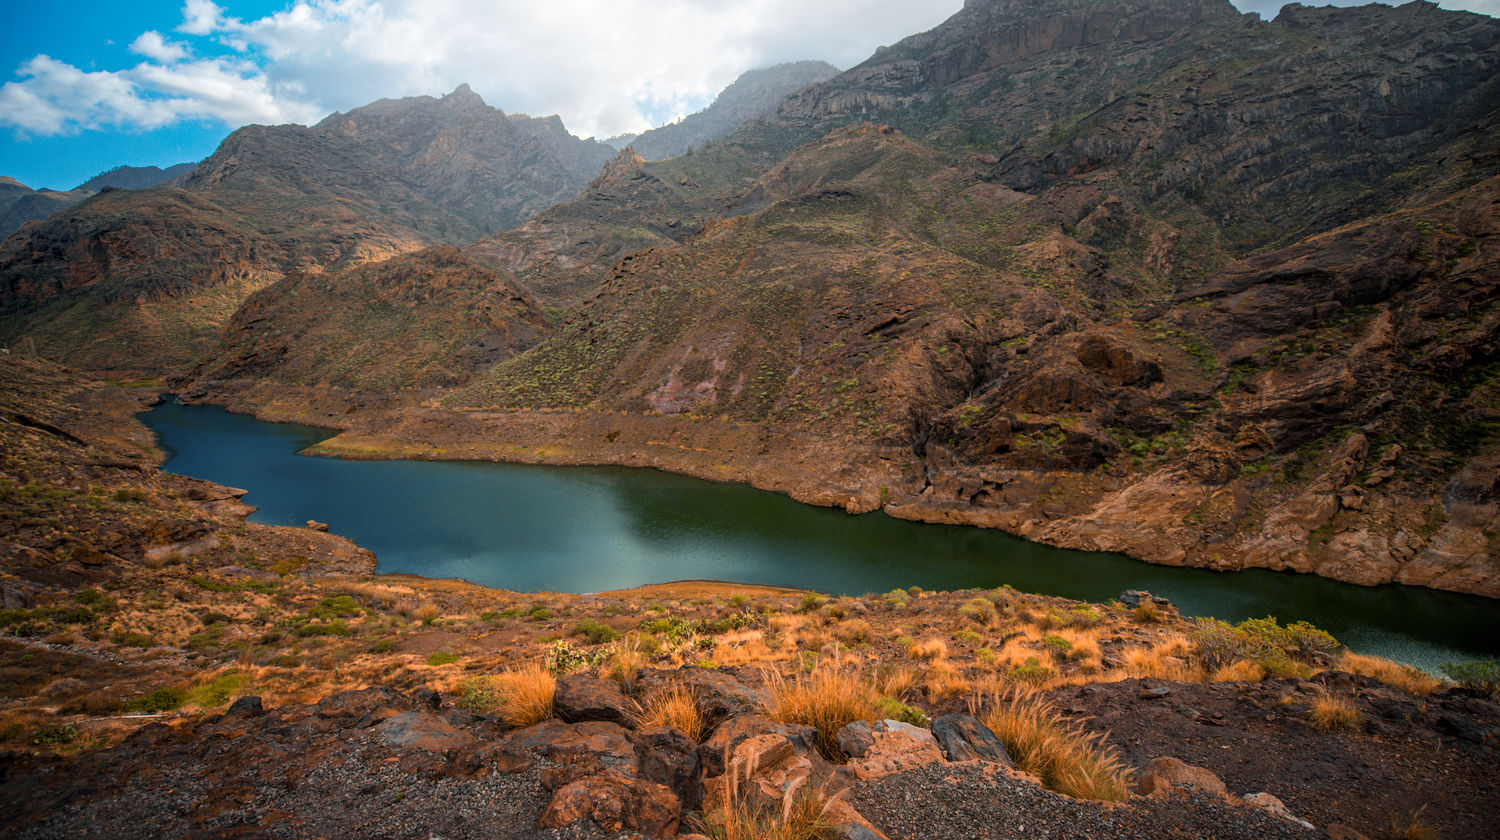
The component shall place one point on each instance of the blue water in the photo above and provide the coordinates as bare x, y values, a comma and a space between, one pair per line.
577, 529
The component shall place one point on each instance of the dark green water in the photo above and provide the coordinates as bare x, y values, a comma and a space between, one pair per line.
573, 529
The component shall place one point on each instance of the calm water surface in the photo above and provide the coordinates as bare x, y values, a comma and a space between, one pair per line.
578, 529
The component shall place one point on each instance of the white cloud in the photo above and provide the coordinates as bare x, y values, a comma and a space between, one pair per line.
153, 46
200, 17
57, 98
605, 66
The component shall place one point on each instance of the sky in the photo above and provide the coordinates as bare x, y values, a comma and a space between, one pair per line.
87, 85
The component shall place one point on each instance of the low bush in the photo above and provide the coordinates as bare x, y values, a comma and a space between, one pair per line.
1481, 675
595, 633
160, 700
442, 658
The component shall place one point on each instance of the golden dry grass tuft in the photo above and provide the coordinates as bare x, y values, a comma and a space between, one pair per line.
929, 649
525, 694
676, 707
1243, 670
1330, 713
1061, 754
1393, 674
624, 665
803, 815
828, 699
1168, 659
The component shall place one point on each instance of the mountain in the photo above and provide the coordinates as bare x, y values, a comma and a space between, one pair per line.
135, 177
165, 267
754, 95
20, 204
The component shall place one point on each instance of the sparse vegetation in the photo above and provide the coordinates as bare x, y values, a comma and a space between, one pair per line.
829, 698
1061, 754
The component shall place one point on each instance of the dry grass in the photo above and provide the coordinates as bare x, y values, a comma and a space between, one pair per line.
852, 632
1329, 713
525, 694
1393, 674
828, 699
929, 649
676, 707
944, 681
803, 815
625, 664
896, 681
1242, 671
1059, 753
1413, 827
1169, 659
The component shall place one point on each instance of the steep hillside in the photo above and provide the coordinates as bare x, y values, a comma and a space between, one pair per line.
420, 320
382, 180
754, 95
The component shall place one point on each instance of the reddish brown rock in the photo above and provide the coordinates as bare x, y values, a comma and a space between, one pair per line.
614, 804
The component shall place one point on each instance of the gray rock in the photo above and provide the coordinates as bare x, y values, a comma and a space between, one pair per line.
581, 698
964, 738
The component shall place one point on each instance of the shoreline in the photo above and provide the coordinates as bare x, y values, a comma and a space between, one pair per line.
1141, 520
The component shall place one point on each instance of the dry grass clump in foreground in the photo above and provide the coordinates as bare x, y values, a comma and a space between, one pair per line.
803, 816
676, 707
830, 698
1064, 757
1413, 827
1394, 674
524, 694
1329, 713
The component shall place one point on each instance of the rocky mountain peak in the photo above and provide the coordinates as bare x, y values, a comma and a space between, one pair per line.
463, 97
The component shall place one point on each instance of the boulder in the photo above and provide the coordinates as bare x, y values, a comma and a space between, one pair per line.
886, 747
421, 731
615, 805
1164, 773
964, 738
578, 750
581, 698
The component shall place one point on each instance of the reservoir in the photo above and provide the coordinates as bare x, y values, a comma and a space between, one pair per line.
580, 529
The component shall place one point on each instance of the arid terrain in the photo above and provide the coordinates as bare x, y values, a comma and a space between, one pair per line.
173, 670
1146, 276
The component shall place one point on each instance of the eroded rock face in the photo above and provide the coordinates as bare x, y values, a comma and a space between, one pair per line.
582, 698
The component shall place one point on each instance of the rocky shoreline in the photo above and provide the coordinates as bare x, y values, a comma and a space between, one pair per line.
1150, 518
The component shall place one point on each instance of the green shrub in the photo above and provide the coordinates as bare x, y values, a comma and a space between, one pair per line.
1058, 644
52, 736
1482, 675
442, 658
383, 646
539, 613
1032, 671
1282, 651
596, 633
160, 700
332, 628
810, 602
337, 606
893, 709
566, 659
